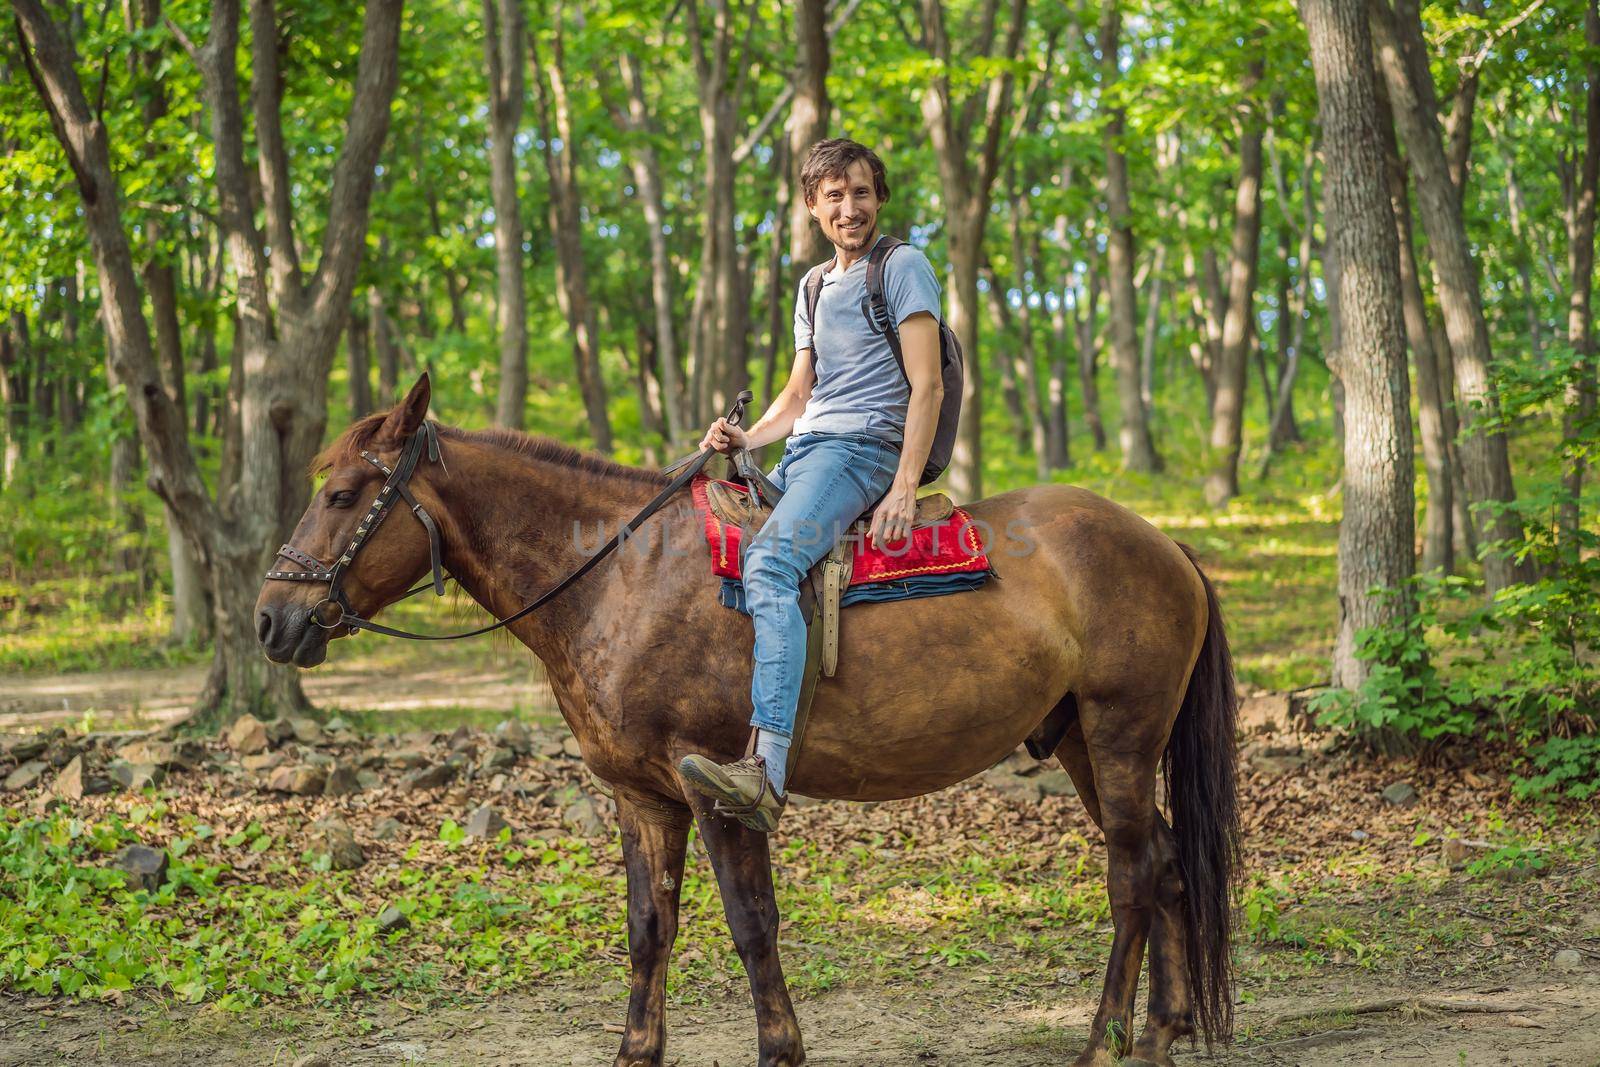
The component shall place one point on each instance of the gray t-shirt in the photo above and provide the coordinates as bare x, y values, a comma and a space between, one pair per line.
860, 388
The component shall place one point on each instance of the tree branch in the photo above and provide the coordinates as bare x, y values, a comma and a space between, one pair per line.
266, 102
377, 73
759, 132
173, 473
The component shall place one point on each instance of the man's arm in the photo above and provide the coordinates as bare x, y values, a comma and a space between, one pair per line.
919, 347
780, 416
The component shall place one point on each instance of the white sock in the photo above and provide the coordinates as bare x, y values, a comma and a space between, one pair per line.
774, 748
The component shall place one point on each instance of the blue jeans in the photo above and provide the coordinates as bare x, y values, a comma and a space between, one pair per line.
828, 480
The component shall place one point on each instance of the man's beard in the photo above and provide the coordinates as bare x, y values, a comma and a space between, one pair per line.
858, 238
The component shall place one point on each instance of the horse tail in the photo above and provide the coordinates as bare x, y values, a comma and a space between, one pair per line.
1201, 773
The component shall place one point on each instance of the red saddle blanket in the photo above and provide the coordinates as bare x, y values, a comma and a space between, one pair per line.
953, 546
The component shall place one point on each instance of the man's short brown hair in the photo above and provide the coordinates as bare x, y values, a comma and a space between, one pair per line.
832, 158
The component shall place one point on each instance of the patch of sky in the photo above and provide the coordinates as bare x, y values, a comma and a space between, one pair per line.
608, 158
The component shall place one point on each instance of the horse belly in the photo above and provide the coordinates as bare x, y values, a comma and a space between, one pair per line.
916, 708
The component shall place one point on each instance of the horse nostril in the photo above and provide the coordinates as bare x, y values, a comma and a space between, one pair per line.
264, 626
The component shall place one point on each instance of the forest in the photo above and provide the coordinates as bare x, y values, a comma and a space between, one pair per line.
1308, 286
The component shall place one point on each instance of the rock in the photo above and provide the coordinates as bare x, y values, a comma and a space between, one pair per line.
307, 731
522, 787
164, 754
1454, 852
1012, 786
1568, 959
513, 734
338, 725
484, 822
392, 919
368, 779
570, 747
300, 779
76, 782
338, 843
498, 758
30, 746
27, 775
262, 761
1278, 763
279, 730
247, 735
582, 817
459, 734
1359, 835
342, 781
409, 759
550, 749
435, 777
1055, 784
317, 759
136, 776
388, 828
62, 752
313, 1059
1400, 794
145, 867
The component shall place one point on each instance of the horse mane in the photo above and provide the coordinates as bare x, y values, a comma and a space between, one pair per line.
347, 447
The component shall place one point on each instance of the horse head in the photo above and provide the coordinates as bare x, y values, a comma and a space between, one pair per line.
304, 600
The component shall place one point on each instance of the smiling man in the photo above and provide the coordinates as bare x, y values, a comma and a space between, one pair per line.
859, 428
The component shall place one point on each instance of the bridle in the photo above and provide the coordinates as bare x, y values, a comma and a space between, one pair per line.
333, 611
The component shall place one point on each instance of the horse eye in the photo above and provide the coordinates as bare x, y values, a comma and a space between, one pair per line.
343, 498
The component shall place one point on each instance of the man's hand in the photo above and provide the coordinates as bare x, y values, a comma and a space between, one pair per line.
724, 437
891, 519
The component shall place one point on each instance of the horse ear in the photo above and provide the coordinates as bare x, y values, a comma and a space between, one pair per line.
407, 415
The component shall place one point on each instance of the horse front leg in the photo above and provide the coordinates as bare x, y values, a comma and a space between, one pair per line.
744, 878
654, 836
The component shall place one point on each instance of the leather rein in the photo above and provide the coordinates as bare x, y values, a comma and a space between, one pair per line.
333, 611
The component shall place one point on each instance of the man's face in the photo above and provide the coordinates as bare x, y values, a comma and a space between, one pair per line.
847, 208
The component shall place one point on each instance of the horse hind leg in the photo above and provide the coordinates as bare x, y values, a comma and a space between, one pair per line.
1117, 785
1171, 1010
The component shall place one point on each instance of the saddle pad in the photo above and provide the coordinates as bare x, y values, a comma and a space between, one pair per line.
952, 546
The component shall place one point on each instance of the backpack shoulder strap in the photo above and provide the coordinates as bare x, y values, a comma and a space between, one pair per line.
877, 304
813, 293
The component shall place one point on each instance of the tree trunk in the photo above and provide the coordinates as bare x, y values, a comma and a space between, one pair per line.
566, 222
360, 361
1085, 315
11, 400
719, 346
966, 185
1026, 358
384, 348
1375, 533
284, 351
1057, 450
646, 166
1577, 421
808, 124
1138, 449
1484, 459
1438, 537
1238, 322
502, 55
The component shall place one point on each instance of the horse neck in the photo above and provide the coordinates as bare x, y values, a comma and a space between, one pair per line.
514, 526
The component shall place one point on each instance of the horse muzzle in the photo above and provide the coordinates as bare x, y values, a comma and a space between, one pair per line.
288, 635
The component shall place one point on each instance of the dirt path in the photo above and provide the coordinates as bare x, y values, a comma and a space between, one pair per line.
1532, 1019
492, 680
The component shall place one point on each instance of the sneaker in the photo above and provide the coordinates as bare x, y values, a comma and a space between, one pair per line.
740, 789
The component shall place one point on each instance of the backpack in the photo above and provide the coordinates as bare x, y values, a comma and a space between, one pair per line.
875, 308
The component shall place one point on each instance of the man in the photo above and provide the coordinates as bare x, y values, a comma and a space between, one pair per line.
857, 429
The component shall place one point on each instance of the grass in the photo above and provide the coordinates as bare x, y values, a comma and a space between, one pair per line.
249, 918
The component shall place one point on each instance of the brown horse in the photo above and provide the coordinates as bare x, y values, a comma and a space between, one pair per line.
1101, 636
